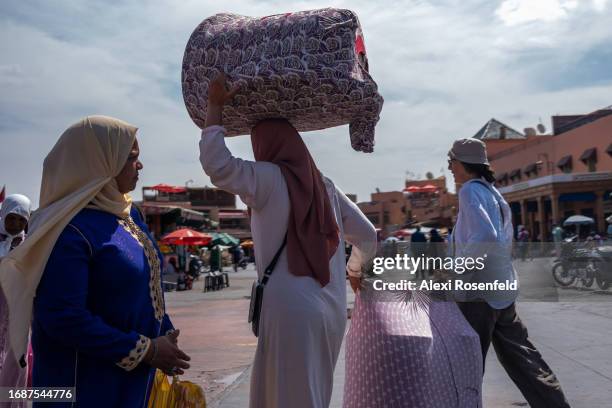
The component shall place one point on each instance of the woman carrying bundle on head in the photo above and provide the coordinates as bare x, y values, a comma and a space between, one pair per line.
303, 316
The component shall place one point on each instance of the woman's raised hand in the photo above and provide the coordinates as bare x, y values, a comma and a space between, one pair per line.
219, 93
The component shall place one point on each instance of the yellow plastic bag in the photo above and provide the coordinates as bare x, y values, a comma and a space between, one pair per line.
181, 394
186, 394
160, 392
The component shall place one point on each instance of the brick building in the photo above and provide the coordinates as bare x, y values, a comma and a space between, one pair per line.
388, 211
547, 178
426, 202
203, 208
430, 203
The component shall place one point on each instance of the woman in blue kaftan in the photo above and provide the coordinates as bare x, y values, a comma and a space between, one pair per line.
94, 308
88, 278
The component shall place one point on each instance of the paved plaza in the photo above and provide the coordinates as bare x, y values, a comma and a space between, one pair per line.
572, 329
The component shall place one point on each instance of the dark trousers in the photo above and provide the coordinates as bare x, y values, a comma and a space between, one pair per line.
519, 357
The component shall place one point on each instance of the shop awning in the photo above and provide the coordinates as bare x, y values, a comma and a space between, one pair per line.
587, 196
222, 238
165, 188
429, 188
186, 213
565, 161
235, 215
589, 154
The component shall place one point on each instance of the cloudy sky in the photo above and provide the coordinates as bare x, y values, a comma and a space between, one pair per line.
445, 67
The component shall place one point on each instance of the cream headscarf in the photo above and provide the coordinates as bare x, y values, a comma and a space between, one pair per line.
79, 172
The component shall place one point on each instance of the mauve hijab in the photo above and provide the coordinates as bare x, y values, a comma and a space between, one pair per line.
312, 233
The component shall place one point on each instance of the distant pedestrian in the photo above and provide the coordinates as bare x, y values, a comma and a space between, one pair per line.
523, 242
435, 247
236, 257
14, 218
216, 262
557, 233
418, 247
171, 268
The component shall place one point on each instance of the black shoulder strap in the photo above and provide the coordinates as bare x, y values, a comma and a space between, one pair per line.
272, 264
501, 210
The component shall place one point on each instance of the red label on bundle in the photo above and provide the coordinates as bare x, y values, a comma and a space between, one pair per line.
359, 45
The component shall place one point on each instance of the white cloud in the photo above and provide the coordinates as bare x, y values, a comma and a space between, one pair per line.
600, 5
514, 12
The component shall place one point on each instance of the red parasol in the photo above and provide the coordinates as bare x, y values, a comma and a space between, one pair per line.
186, 236
165, 188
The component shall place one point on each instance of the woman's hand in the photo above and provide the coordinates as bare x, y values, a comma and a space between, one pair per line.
355, 282
218, 95
165, 355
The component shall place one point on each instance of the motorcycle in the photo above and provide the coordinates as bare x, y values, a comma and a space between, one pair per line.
575, 264
196, 267
602, 257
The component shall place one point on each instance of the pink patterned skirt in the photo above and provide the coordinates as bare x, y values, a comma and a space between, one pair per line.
418, 354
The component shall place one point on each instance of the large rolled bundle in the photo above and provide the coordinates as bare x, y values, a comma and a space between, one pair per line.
308, 67
410, 354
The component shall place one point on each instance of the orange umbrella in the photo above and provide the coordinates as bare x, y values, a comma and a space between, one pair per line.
186, 236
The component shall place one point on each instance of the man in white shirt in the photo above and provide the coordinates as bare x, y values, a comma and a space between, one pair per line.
484, 229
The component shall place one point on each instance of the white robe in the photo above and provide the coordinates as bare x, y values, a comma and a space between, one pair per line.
302, 324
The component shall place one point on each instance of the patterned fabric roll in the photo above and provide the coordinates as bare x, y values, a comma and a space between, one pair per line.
416, 353
308, 67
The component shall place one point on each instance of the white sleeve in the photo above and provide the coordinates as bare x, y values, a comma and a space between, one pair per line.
358, 231
252, 181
